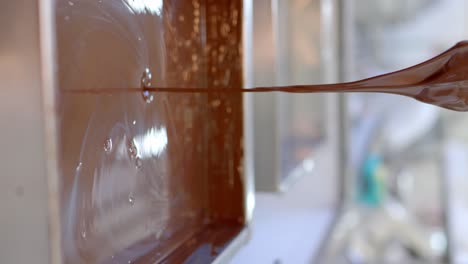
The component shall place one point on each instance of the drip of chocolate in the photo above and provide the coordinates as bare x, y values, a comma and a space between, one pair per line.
441, 81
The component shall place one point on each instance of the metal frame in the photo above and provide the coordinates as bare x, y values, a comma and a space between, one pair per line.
47, 29
29, 197
249, 157
268, 108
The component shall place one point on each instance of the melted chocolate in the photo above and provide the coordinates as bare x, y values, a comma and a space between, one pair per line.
441, 81
149, 177
159, 178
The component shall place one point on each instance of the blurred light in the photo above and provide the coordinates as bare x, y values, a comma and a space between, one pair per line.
438, 242
145, 6
153, 143
308, 165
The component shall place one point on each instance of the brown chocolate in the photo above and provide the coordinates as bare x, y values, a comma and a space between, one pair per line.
154, 173
149, 177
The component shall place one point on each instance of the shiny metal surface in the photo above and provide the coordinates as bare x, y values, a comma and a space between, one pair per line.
248, 74
29, 223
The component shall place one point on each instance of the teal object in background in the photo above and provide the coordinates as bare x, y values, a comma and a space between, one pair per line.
372, 185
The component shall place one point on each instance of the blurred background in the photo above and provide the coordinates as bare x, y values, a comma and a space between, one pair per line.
355, 178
